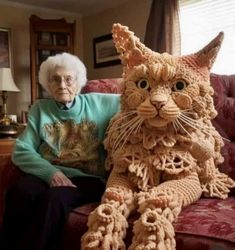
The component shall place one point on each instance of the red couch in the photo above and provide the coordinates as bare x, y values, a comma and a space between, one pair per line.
207, 223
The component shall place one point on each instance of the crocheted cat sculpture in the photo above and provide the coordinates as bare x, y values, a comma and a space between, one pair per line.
163, 150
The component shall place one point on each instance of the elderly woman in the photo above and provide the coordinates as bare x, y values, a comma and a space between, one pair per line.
61, 155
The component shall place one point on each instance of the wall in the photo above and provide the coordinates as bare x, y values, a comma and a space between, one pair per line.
133, 13
16, 18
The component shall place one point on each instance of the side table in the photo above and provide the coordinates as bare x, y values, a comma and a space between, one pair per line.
6, 146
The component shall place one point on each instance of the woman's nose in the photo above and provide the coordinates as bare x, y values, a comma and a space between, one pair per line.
62, 83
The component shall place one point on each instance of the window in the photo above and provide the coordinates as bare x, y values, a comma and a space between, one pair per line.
201, 21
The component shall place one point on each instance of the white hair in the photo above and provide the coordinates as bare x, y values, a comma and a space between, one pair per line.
64, 60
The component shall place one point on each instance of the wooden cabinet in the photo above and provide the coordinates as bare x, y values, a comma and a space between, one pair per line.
47, 37
6, 146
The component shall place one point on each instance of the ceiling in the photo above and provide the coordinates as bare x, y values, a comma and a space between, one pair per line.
81, 7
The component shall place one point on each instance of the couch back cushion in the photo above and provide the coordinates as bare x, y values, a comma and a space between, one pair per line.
112, 85
224, 100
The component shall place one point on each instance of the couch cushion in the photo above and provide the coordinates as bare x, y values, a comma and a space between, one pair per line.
112, 85
207, 218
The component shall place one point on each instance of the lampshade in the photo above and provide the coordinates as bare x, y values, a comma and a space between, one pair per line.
6, 81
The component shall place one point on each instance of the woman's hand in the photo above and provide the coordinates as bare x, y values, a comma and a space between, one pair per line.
59, 179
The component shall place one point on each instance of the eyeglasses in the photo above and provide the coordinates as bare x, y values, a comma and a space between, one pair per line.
69, 80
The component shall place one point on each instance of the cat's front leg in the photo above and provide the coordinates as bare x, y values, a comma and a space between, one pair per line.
107, 224
213, 182
201, 147
154, 230
158, 208
202, 150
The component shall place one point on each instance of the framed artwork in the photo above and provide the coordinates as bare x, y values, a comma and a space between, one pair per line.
105, 53
5, 48
45, 38
61, 39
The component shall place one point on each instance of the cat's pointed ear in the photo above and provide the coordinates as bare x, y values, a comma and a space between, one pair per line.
132, 51
206, 56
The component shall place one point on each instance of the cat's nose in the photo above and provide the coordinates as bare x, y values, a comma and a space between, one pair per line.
158, 100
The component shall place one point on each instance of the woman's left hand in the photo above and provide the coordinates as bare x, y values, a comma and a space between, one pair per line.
59, 179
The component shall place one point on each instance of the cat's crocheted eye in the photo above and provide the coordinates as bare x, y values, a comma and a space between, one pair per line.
179, 85
143, 84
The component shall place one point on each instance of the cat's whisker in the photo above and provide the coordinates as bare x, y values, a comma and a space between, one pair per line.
118, 140
185, 114
121, 137
129, 126
182, 127
205, 129
195, 123
139, 125
191, 123
174, 126
188, 112
189, 120
125, 115
129, 133
207, 132
123, 125
226, 139
123, 132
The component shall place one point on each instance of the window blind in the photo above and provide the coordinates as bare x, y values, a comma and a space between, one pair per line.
201, 21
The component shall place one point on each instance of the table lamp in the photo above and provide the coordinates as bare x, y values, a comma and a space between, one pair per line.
6, 85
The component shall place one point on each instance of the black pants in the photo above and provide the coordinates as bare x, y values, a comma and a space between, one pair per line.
35, 214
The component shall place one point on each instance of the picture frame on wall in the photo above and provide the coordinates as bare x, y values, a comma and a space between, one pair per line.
61, 39
105, 53
5, 48
45, 38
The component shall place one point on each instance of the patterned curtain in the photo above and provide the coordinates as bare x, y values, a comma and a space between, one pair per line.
163, 27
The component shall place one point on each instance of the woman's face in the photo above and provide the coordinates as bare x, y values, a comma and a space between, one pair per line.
63, 84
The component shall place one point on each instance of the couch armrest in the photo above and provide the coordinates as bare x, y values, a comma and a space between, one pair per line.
8, 174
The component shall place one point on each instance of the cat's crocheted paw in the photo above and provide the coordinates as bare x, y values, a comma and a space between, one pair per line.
218, 185
92, 241
97, 241
153, 231
106, 229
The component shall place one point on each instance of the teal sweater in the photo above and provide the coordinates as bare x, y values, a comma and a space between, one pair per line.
66, 140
